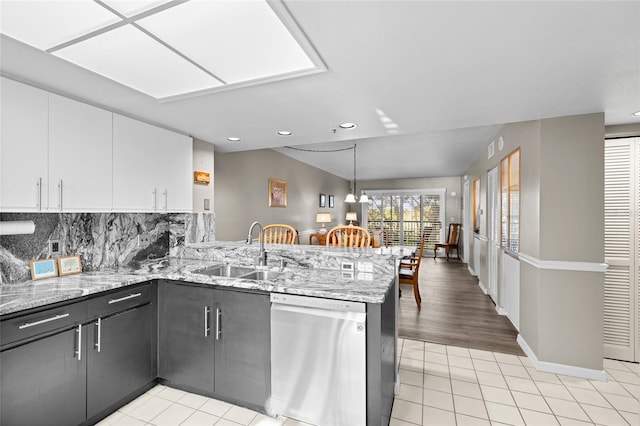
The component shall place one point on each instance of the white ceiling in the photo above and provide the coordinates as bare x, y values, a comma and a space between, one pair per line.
448, 74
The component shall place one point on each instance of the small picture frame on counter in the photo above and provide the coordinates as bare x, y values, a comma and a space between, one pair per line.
68, 265
43, 268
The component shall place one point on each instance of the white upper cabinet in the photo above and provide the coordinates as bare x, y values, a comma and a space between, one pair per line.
135, 147
80, 158
175, 163
152, 168
23, 147
57, 154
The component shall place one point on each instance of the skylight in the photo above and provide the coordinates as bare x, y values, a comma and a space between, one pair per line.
167, 49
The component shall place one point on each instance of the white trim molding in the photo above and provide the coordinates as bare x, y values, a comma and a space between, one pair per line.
501, 311
480, 237
563, 265
471, 271
482, 287
552, 367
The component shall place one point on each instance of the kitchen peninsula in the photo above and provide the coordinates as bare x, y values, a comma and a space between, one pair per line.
90, 300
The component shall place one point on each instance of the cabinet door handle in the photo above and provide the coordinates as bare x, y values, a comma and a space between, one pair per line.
131, 296
155, 198
206, 321
218, 323
79, 351
32, 324
60, 194
39, 189
166, 200
99, 339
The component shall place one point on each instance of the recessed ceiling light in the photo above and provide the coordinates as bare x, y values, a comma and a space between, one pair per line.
348, 126
636, 114
233, 139
285, 133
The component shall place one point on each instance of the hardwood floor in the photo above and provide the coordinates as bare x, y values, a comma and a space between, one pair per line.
454, 310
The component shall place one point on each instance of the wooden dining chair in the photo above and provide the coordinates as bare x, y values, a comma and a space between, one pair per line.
379, 237
409, 269
279, 234
453, 237
348, 236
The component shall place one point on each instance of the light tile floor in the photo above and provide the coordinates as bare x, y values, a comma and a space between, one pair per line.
447, 385
439, 385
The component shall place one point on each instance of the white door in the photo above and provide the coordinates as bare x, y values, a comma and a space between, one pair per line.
175, 166
466, 223
23, 147
621, 248
494, 231
80, 158
135, 165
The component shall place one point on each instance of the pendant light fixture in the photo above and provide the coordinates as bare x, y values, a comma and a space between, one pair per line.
351, 197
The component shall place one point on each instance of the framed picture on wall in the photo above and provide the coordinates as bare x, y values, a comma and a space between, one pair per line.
323, 200
277, 193
331, 202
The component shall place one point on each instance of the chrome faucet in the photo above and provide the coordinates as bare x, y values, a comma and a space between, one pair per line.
262, 257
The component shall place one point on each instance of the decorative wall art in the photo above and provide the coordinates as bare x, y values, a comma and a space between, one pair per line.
331, 202
277, 193
44, 268
323, 201
69, 265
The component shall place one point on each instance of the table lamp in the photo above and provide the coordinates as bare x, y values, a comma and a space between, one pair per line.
351, 216
323, 218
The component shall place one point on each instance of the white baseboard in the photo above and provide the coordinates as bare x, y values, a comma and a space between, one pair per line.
482, 287
471, 270
501, 311
552, 367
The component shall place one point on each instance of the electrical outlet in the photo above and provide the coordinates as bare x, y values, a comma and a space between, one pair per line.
144, 240
346, 265
55, 248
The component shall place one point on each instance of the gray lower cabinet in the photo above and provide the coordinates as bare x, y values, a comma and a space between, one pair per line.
44, 382
215, 341
186, 337
119, 357
242, 349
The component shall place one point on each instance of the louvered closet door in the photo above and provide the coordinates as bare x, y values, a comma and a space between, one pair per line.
621, 327
636, 254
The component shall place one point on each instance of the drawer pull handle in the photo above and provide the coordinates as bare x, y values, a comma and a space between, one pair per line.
206, 321
218, 325
79, 351
33, 324
131, 296
99, 342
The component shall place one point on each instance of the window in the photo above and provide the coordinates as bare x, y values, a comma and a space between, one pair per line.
405, 215
510, 201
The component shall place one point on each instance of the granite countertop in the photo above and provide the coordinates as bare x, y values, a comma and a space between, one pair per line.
332, 284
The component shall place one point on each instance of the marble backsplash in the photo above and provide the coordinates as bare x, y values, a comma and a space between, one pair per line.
103, 240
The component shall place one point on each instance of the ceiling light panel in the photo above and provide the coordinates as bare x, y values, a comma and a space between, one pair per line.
238, 41
45, 24
134, 7
132, 58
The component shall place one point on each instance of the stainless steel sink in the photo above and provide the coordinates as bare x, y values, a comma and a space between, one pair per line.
261, 275
224, 271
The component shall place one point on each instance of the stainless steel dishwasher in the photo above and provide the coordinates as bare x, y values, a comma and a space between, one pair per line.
318, 360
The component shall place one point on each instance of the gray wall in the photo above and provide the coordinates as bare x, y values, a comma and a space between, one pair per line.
203, 161
241, 193
622, 130
561, 219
